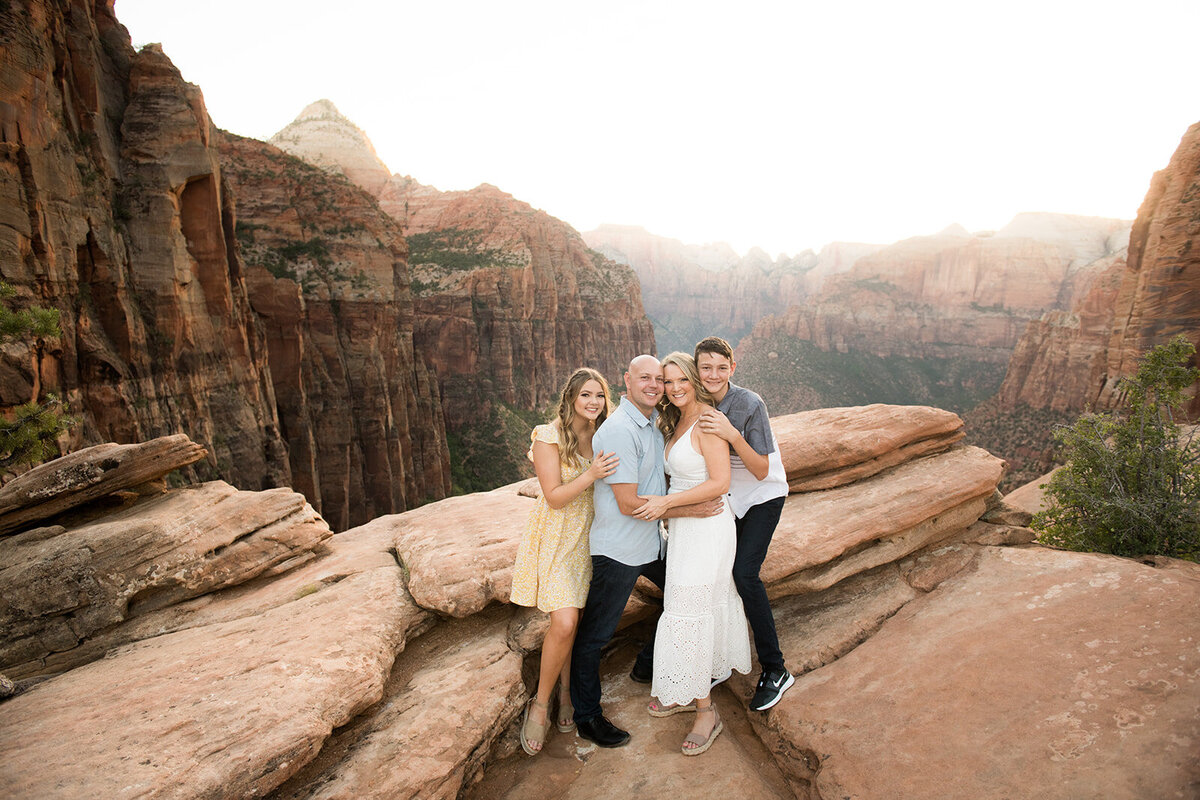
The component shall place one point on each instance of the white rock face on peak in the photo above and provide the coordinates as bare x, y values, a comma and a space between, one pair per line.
1087, 238
323, 137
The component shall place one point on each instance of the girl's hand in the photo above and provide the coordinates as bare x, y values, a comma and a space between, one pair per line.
654, 507
603, 465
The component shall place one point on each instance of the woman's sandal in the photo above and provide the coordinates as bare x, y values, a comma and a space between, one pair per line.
655, 710
565, 711
701, 743
532, 731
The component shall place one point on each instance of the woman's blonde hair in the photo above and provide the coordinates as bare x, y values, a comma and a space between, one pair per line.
568, 442
668, 412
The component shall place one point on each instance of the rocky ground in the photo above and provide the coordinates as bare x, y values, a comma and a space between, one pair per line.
204, 642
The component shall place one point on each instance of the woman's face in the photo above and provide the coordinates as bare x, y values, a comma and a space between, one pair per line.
590, 401
679, 389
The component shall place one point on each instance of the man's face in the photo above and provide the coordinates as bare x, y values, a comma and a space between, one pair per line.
644, 383
715, 372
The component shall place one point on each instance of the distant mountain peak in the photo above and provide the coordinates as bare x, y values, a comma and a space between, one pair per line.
320, 108
323, 136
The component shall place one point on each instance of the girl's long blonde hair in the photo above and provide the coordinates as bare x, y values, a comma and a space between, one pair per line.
568, 442
668, 412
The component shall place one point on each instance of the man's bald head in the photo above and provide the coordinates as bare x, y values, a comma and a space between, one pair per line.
644, 383
644, 360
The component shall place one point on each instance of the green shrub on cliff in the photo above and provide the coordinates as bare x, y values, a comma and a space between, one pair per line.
28, 433
1131, 485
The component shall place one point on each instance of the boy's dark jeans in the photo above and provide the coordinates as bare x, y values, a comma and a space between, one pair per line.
754, 532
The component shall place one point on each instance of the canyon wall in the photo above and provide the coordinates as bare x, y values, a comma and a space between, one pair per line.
1160, 293
117, 212
695, 291
326, 273
1071, 360
1076, 360
507, 300
932, 319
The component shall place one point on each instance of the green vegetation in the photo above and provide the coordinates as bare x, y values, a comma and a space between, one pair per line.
29, 432
995, 308
491, 453
308, 262
607, 282
457, 249
1021, 436
681, 332
876, 284
802, 376
1131, 485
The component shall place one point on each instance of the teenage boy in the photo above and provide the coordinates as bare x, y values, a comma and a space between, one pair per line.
757, 490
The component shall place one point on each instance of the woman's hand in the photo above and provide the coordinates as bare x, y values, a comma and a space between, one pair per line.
603, 465
654, 507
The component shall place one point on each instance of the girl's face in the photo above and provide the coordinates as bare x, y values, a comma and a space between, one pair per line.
679, 389
590, 401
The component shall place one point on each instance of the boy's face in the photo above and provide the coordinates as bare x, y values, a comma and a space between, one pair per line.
715, 372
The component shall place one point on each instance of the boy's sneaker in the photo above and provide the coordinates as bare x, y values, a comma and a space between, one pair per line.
771, 686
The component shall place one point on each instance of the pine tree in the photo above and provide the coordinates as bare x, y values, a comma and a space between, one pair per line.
1131, 485
29, 433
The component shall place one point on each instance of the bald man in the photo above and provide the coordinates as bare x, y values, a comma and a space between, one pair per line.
623, 547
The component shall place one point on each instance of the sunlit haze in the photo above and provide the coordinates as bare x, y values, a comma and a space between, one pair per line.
784, 125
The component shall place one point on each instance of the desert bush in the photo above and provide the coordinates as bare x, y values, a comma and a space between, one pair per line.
1131, 484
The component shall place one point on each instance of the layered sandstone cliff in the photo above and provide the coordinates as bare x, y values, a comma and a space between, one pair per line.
932, 319
326, 273
693, 291
1160, 292
116, 212
1072, 359
956, 293
507, 301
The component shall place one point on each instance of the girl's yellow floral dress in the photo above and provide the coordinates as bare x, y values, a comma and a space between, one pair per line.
554, 562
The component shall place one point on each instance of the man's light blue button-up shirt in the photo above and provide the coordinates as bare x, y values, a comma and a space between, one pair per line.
638, 442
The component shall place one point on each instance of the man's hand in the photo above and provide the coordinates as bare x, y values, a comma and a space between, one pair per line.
709, 508
714, 422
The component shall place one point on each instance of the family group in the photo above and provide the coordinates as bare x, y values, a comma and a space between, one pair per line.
682, 483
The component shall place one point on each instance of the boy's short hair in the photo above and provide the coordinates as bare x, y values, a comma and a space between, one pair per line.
715, 345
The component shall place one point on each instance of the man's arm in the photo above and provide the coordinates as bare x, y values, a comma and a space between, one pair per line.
628, 501
627, 497
713, 421
709, 508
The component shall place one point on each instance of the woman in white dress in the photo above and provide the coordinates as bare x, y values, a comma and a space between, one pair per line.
702, 634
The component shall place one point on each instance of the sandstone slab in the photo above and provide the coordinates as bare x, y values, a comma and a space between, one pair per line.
826, 536
459, 552
336, 559
224, 710
1029, 499
87, 474
1036, 673
435, 724
62, 586
834, 446
816, 629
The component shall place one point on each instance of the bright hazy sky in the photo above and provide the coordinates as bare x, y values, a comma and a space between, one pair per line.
785, 125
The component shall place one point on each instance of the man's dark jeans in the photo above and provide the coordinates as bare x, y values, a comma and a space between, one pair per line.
612, 583
754, 532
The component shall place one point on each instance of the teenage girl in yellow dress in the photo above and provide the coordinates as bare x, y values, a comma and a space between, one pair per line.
554, 563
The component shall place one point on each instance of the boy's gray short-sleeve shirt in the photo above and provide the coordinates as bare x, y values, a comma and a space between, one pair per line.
747, 412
